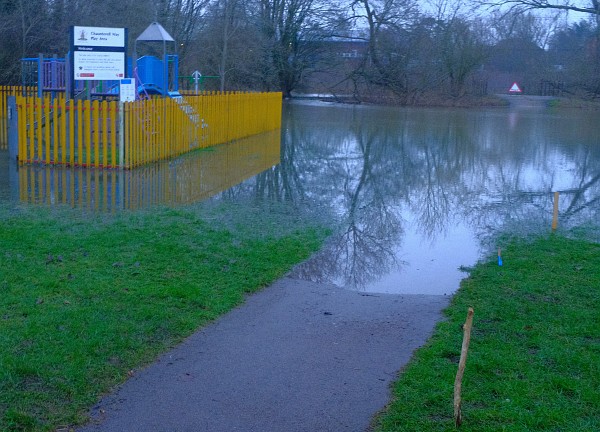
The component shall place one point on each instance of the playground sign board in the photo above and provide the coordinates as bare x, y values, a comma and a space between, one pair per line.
98, 53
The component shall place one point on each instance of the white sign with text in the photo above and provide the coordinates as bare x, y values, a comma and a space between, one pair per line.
99, 36
99, 53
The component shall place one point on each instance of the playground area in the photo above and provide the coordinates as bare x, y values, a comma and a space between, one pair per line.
92, 70
100, 108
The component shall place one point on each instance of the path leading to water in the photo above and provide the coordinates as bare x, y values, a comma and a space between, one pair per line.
297, 356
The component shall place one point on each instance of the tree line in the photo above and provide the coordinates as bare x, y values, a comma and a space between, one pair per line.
400, 50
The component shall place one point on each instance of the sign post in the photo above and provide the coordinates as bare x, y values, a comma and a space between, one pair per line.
197, 77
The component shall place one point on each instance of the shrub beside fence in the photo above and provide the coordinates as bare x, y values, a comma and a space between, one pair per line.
88, 133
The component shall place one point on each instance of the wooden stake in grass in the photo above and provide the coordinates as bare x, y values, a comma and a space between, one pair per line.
555, 212
461, 367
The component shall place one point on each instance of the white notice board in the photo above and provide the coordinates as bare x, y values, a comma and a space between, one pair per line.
98, 53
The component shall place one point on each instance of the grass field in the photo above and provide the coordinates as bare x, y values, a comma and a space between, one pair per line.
534, 357
85, 300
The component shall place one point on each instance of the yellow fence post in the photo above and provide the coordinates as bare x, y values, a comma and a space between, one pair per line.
78, 125
102, 129
31, 125
95, 131
46, 125
87, 132
70, 118
55, 141
112, 128
22, 110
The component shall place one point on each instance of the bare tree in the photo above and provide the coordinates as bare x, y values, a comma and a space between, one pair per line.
462, 52
385, 20
591, 7
289, 30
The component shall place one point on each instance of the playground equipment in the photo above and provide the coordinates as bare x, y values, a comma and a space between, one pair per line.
153, 75
52, 128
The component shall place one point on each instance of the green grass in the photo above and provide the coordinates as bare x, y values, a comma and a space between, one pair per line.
84, 303
534, 358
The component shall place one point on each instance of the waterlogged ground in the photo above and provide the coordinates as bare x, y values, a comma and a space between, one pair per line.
411, 194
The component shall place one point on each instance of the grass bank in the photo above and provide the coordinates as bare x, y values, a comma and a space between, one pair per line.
534, 358
86, 300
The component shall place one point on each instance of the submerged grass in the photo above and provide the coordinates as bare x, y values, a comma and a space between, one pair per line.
534, 358
83, 303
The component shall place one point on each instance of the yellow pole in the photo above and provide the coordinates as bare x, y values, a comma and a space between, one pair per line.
151, 153
55, 141
87, 131
80, 122
22, 110
112, 127
70, 112
168, 127
46, 123
95, 123
31, 123
132, 124
3, 116
39, 153
555, 212
128, 136
103, 122
136, 142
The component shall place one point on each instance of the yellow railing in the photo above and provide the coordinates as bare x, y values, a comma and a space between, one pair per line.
84, 133
5, 92
56, 131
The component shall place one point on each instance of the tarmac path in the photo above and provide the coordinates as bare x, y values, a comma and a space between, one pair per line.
297, 356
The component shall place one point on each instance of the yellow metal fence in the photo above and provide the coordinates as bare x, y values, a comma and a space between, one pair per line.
87, 133
5, 92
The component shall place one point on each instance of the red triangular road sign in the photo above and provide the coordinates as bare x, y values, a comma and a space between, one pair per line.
515, 88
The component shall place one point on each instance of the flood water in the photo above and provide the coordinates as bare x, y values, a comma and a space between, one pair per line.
411, 194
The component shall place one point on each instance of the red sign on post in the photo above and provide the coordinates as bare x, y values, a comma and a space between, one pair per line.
515, 88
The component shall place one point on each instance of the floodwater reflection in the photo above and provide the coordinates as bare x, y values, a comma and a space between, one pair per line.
417, 193
411, 194
186, 180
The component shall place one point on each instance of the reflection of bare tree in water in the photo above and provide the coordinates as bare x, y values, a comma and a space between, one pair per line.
440, 156
502, 204
360, 171
344, 180
363, 248
584, 199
